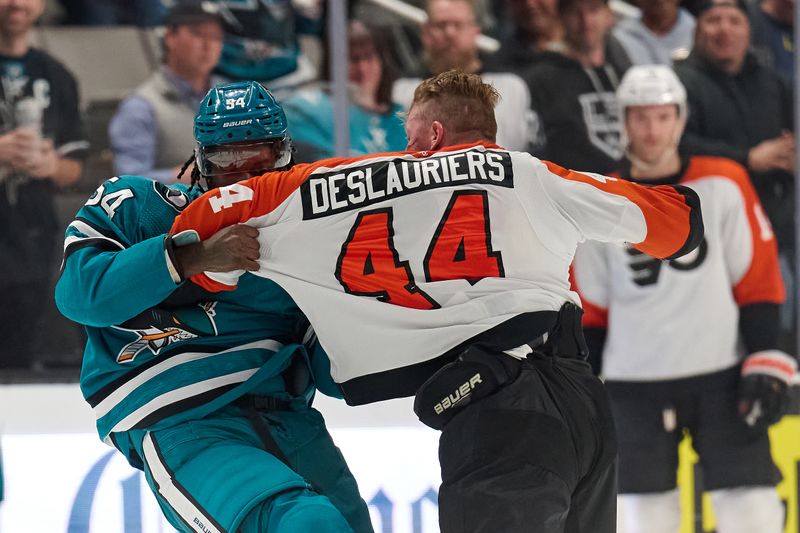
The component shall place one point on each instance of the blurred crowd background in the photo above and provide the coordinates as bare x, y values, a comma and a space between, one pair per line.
96, 88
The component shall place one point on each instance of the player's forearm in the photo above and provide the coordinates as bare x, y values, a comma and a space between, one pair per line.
759, 325
103, 288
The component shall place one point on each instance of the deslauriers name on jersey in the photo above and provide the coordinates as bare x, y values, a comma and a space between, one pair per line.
356, 187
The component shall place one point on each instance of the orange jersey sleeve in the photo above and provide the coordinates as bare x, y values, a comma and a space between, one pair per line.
672, 213
238, 204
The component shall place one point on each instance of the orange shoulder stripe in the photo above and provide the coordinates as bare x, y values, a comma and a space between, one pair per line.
664, 208
762, 282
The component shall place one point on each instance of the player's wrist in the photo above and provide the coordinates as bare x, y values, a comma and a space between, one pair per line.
775, 363
173, 260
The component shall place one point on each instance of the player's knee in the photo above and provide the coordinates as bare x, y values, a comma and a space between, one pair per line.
295, 512
651, 513
747, 509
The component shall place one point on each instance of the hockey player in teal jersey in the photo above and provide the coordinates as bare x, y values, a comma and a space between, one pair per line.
210, 395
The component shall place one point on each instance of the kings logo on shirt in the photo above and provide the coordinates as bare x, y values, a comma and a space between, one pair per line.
157, 328
328, 192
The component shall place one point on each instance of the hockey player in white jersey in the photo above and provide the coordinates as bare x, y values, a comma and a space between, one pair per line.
664, 334
442, 272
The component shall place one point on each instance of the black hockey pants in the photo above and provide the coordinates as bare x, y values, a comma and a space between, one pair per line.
538, 455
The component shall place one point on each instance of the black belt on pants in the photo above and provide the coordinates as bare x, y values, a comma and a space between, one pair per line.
479, 370
253, 406
566, 338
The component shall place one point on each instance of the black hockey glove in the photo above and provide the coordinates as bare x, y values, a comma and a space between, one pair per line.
475, 374
764, 388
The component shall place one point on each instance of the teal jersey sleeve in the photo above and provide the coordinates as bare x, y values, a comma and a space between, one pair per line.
159, 352
114, 263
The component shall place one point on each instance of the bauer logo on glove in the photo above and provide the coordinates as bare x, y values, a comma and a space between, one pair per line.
475, 374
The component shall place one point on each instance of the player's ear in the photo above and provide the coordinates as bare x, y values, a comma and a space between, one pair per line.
437, 135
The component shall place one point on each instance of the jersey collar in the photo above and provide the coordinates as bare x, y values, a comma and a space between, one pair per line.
457, 147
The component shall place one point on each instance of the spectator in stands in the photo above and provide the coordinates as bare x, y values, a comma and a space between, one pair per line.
740, 109
374, 124
573, 92
772, 27
662, 33
41, 149
263, 45
151, 132
449, 38
536, 28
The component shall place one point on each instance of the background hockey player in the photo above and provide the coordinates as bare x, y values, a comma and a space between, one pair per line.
443, 271
209, 396
665, 333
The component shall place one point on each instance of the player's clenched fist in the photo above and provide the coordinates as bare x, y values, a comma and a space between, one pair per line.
231, 248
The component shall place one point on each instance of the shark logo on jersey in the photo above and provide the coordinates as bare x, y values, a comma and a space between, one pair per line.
157, 328
646, 269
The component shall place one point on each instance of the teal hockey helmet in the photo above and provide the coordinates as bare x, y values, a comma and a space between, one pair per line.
240, 128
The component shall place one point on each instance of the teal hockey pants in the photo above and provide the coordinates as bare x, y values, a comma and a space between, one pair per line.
216, 475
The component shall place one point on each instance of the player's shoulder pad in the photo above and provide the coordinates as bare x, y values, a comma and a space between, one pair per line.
703, 166
715, 165
124, 204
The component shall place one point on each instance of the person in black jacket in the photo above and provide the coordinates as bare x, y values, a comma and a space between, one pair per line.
536, 29
742, 110
572, 93
42, 147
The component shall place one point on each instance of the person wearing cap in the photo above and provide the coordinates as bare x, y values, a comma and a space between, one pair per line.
742, 110
150, 133
667, 366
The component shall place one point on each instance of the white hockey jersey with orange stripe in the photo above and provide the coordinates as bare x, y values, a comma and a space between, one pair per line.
680, 318
398, 258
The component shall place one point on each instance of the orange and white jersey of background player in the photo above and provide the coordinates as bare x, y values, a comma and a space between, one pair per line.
399, 258
679, 318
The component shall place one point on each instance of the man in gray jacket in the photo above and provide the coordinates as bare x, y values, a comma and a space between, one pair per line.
151, 132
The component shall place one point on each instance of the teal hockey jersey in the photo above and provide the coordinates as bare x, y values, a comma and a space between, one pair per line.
158, 352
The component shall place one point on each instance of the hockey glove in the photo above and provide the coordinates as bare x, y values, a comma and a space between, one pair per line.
764, 388
475, 374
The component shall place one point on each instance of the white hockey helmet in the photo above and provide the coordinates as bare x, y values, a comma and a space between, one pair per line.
651, 85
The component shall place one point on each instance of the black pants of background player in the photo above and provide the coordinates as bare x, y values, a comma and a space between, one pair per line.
538, 455
731, 454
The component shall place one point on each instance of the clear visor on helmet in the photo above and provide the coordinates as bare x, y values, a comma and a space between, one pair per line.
244, 157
